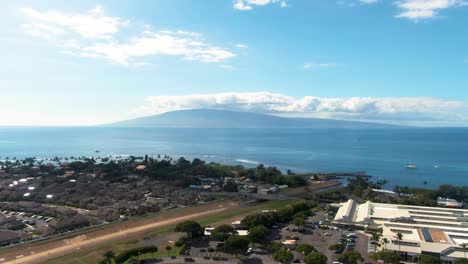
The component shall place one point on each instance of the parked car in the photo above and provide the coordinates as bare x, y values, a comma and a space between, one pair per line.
219, 244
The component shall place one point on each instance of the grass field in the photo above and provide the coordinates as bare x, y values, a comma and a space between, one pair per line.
95, 254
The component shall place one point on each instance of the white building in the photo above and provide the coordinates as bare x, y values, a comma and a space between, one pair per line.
425, 230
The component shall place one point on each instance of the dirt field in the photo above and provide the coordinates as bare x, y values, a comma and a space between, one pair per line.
43, 251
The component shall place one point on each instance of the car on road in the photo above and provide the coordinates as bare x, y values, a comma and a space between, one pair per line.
219, 244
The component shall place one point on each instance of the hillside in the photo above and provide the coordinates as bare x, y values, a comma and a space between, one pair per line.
209, 118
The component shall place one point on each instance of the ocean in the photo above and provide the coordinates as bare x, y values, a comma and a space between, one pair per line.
440, 154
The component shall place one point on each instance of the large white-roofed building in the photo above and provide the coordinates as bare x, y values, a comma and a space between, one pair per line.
432, 231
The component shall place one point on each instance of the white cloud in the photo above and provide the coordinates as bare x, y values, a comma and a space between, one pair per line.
247, 5
93, 25
356, 108
412, 9
227, 67
353, 3
424, 9
241, 46
314, 65
158, 43
95, 35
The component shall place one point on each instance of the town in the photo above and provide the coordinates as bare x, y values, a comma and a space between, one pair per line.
156, 209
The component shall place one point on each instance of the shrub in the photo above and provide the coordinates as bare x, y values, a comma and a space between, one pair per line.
305, 248
181, 241
125, 255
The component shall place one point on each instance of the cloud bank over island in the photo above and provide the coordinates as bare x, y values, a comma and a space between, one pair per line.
391, 109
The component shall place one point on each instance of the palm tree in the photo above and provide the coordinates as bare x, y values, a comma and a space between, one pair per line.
109, 255
464, 248
400, 237
384, 242
375, 236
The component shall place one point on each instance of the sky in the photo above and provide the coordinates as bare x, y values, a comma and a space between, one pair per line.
93, 62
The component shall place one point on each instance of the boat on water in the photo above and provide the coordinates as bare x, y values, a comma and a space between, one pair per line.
410, 166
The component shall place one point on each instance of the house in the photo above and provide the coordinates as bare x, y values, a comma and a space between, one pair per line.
208, 231
69, 223
13, 225
289, 244
236, 224
5, 219
140, 167
242, 232
8, 237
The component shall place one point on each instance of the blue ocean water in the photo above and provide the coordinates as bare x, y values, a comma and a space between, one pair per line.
440, 154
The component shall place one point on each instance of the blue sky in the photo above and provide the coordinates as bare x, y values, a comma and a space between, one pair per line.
92, 62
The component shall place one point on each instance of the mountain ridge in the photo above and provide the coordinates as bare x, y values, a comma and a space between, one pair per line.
213, 118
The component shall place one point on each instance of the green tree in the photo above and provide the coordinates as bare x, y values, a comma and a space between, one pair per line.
464, 248
461, 261
236, 244
192, 228
427, 259
109, 256
230, 186
274, 247
399, 237
283, 256
350, 257
299, 222
257, 234
315, 258
334, 247
375, 236
265, 219
385, 242
285, 214
306, 249
387, 257
222, 232
132, 260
